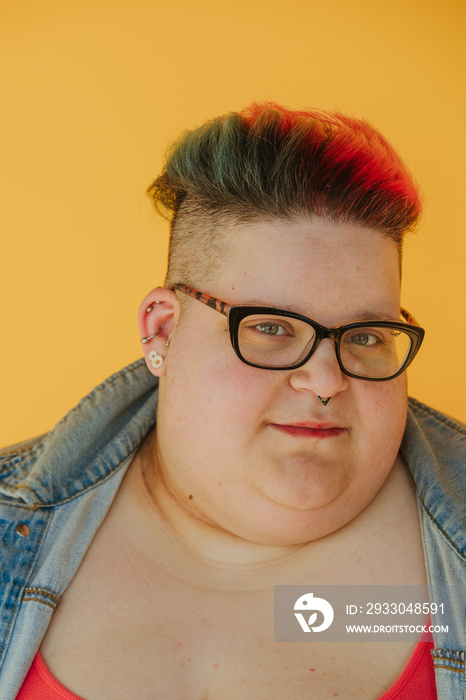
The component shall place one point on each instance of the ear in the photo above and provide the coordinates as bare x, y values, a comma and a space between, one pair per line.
158, 315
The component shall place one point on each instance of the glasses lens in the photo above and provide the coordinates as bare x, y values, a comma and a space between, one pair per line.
274, 340
371, 352
374, 352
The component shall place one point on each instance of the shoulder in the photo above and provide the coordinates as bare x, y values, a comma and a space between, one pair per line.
16, 462
435, 419
435, 439
434, 446
16, 452
87, 446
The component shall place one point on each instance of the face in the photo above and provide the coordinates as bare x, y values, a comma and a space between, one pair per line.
254, 451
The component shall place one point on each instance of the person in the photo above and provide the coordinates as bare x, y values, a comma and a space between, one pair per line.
265, 439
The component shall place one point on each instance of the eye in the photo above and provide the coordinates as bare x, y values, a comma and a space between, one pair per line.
271, 328
364, 339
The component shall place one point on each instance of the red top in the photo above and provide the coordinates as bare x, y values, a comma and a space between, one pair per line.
39, 684
417, 682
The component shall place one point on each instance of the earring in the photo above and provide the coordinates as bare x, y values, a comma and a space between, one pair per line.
323, 401
149, 337
168, 341
156, 360
149, 308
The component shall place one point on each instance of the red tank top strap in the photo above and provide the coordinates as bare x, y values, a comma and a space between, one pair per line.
39, 684
417, 682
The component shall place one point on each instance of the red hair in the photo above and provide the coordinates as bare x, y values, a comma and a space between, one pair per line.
268, 162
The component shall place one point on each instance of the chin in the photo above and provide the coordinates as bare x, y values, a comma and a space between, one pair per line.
302, 483
294, 521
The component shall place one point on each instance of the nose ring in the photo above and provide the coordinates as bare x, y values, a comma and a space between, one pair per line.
323, 401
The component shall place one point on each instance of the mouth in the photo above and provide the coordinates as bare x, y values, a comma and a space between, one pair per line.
309, 430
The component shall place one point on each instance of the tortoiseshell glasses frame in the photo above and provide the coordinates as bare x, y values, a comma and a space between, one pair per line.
236, 313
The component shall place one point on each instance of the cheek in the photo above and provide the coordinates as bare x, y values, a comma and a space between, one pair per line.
211, 386
209, 416
383, 411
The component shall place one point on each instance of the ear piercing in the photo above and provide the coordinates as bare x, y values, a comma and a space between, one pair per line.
323, 401
149, 337
149, 308
156, 360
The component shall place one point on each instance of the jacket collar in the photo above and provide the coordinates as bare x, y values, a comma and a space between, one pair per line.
434, 447
87, 445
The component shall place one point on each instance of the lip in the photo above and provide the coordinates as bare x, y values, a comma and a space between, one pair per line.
309, 430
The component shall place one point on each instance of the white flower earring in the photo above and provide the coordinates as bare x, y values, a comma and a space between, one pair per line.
156, 359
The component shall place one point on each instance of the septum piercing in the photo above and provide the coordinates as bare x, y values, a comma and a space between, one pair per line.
323, 401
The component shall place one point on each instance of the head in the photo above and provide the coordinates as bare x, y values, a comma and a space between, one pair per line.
303, 212
269, 163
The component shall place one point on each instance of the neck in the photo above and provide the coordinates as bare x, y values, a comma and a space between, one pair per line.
191, 530
164, 527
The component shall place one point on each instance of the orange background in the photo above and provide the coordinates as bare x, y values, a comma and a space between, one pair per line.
92, 93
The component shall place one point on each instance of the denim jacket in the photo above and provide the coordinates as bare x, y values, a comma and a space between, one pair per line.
56, 490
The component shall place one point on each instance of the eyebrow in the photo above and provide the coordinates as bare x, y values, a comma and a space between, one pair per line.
374, 316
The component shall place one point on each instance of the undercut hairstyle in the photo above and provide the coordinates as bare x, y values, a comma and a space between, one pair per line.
270, 163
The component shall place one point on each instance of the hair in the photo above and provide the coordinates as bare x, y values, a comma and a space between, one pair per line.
267, 163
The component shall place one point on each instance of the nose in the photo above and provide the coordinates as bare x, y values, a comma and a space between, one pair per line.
321, 374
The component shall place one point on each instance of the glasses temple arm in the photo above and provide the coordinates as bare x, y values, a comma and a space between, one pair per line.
408, 317
216, 304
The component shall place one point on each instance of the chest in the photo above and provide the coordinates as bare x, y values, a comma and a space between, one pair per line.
220, 649
170, 627
124, 634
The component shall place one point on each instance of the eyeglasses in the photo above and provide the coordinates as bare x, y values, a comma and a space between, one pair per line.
277, 339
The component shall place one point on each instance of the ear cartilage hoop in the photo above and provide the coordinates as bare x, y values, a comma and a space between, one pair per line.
155, 358
149, 337
168, 341
323, 401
